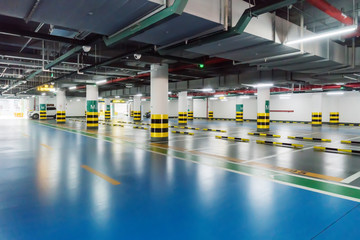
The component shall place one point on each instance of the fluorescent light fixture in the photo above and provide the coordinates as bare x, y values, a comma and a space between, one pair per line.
72, 88
351, 78
43, 94
101, 82
245, 97
356, 74
78, 100
139, 94
316, 89
335, 93
117, 96
220, 95
206, 90
189, 97
213, 98
324, 35
169, 92
339, 83
259, 85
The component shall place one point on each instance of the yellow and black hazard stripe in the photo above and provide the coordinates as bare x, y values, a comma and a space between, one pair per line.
107, 115
117, 125
319, 148
211, 114
182, 118
349, 142
145, 128
239, 117
159, 127
280, 144
263, 121
185, 127
310, 139
334, 118
316, 119
264, 135
349, 124
185, 133
60, 117
212, 130
131, 113
92, 119
190, 115
43, 115
233, 138
137, 116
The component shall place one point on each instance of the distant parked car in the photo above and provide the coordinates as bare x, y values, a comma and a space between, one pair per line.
50, 113
147, 115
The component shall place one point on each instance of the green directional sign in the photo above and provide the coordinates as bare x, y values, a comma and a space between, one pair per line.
42, 107
267, 106
91, 106
239, 107
107, 107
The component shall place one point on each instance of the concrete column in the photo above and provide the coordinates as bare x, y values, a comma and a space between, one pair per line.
92, 115
316, 106
107, 109
42, 107
182, 108
239, 110
137, 108
210, 104
60, 106
190, 107
263, 109
159, 102
132, 109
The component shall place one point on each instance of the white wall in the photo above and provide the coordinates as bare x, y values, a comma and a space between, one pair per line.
302, 105
173, 108
75, 107
145, 107
200, 108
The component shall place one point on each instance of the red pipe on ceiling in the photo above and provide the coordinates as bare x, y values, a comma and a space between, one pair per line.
334, 13
331, 11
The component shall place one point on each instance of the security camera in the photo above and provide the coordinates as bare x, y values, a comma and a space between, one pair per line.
86, 48
137, 56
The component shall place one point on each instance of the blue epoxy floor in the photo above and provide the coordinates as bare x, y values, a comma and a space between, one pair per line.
46, 194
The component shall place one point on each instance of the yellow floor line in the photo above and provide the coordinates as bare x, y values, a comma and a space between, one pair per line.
267, 166
99, 174
46, 146
300, 172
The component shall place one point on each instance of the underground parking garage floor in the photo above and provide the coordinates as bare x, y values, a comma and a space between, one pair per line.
66, 182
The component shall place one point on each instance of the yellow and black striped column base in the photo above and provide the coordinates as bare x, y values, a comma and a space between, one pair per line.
211, 114
182, 118
107, 115
131, 113
43, 115
334, 118
137, 116
239, 117
263, 122
316, 119
190, 115
159, 127
60, 117
92, 119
